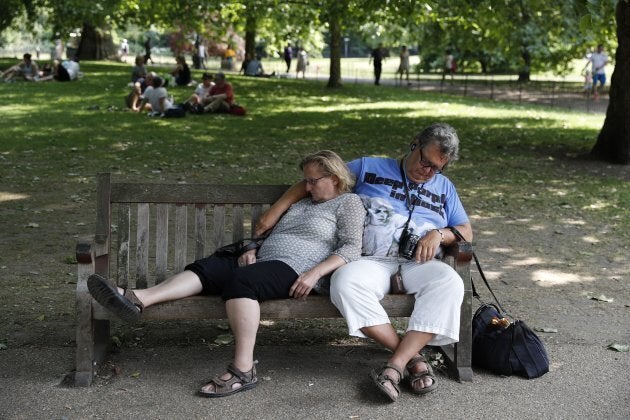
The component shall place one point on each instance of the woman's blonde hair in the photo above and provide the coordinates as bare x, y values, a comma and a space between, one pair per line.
330, 163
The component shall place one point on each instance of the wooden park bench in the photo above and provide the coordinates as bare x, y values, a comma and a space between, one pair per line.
146, 232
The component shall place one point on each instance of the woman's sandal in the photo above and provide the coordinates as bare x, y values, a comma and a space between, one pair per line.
224, 387
417, 372
380, 378
126, 306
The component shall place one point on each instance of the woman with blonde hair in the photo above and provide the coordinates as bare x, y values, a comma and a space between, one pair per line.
314, 237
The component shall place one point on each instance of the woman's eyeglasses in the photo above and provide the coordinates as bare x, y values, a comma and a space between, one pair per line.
313, 181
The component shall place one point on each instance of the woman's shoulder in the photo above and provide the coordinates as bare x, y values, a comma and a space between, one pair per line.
351, 199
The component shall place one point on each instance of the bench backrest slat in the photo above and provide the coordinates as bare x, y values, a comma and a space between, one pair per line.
142, 245
161, 242
124, 231
151, 239
181, 235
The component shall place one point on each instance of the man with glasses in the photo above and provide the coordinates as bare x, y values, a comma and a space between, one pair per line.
420, 204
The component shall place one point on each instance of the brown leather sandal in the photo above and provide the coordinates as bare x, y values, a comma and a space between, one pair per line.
129, 294
380, 379
108, 296
417, 372
224, 387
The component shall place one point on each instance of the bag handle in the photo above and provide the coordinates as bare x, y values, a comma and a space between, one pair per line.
460, 237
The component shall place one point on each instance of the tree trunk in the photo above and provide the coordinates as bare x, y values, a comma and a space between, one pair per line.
334, 81
250, 36
613, 142
95, 44
524, 73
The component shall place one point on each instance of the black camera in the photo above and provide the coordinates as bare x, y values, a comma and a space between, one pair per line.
407, 244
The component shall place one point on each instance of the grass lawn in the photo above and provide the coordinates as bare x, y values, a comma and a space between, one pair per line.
520, 176
509, 154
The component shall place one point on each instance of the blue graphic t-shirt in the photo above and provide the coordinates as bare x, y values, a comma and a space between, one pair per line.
380, 186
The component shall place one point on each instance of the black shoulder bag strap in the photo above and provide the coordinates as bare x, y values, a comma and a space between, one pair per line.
459, 236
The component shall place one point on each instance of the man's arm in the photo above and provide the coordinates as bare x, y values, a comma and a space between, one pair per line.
269, 218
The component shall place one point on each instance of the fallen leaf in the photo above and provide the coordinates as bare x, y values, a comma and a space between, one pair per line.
41, 317
546, 330
224, 339
601, 298
135, 375
619, 347
3, 346
32, 225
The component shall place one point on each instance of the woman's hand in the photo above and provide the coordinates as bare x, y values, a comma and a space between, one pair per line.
247, 258
428, 246
304, 284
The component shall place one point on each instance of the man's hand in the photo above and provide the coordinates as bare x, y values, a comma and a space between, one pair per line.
428, 246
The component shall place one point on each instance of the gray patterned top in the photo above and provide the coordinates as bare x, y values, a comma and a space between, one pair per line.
308, 233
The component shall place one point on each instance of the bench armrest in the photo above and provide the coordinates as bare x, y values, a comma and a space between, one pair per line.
461, 251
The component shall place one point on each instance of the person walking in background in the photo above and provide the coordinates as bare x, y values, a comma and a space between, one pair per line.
201, 53
598, 61
58, 50
147, 51
288, 55
403, 67
449, 65
588, 82
376, 57
124, 49
229, 56
302, 62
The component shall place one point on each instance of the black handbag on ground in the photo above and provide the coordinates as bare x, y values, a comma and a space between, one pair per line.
503, 344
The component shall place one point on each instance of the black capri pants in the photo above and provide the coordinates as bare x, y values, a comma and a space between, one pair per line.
261, 281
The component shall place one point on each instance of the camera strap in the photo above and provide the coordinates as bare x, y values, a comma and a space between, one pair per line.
410, 205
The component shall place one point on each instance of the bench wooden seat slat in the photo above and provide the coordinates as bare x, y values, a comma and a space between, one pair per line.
128, 251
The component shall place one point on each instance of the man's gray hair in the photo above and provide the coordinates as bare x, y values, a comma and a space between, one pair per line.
444, 136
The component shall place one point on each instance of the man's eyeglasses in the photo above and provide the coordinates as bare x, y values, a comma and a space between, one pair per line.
313, 181
429, 166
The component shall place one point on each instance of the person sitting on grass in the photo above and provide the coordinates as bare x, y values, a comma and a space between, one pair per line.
63, 71
221, 95
255, 68
181, 72
199, 97
139, 70
26, 69
134, 99
161, 104
314, 237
